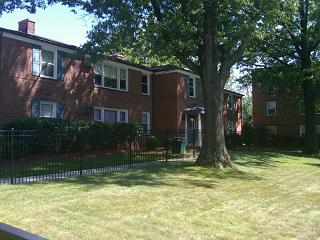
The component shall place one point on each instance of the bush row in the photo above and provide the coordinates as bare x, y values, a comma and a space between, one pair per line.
59, 135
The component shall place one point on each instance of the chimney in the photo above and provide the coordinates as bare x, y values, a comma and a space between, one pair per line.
119, 56
27, 26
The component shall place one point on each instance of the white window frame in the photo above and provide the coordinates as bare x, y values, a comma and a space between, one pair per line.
118, 76
55, 62
148, 120
268, 108
54, 107
193, 85
148, 84
102, 109
274, 129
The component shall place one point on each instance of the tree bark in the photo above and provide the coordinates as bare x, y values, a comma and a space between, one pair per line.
310, 143
214, 151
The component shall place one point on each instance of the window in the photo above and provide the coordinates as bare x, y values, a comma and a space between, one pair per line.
192, 87
48, 109
271, 132
146, 122
98, 75
271, 108
97, 114
110, 115
123, 79
230, 127
111, 76
303, 130
145, 84
271, 89
47, 64
123, 117
230, 102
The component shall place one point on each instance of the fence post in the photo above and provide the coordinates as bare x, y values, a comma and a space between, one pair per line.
81, 160
194, 143
130, 153
11, 155
167, 145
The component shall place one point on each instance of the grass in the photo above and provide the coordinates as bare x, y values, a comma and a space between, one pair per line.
273, 196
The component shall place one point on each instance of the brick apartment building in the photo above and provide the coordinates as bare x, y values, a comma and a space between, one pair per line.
277, 119
40, 77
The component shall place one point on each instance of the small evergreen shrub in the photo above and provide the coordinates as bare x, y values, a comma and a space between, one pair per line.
151, 143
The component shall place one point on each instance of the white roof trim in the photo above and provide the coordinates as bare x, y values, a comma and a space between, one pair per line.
178, 71
128, 66
37, 42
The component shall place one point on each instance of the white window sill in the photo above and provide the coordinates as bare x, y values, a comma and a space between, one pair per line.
146, 94
115, 89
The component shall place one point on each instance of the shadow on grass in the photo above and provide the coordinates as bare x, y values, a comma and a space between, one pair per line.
313, 164
256, 158
180, 174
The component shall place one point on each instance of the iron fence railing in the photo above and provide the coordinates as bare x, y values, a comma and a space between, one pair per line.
28, 156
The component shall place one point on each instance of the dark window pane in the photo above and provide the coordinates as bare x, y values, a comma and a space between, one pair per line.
145, 128
98, 79
110, 82
122, 116
47, 69
110, 116
97, 115
47, 56
144, 79
123, 84
144, 88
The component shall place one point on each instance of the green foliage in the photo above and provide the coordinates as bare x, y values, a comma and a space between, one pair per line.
59, 135
151, 143
247, 110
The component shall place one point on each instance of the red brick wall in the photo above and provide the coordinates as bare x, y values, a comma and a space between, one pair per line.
287, 120
170, 102
18, 87
165, 101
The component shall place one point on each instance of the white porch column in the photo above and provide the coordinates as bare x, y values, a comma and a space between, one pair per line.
199, 138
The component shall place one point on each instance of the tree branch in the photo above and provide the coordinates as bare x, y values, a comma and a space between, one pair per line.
157, 9
227, 61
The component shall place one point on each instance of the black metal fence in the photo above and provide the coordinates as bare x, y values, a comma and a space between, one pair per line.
28, 156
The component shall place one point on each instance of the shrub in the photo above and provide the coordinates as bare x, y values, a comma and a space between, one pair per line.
151, 143
61, 135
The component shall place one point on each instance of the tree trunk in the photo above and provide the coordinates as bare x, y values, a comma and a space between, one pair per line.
214, 151
310, 141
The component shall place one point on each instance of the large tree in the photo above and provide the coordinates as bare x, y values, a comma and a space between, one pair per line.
288, 45
206, 36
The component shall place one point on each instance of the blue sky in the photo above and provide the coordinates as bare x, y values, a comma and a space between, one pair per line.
55, 22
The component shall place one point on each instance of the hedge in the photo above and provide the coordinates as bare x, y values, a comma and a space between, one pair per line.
61, 135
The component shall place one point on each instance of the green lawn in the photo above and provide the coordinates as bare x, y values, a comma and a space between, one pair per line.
274, 196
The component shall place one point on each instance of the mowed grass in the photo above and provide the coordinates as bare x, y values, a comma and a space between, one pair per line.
272, 196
